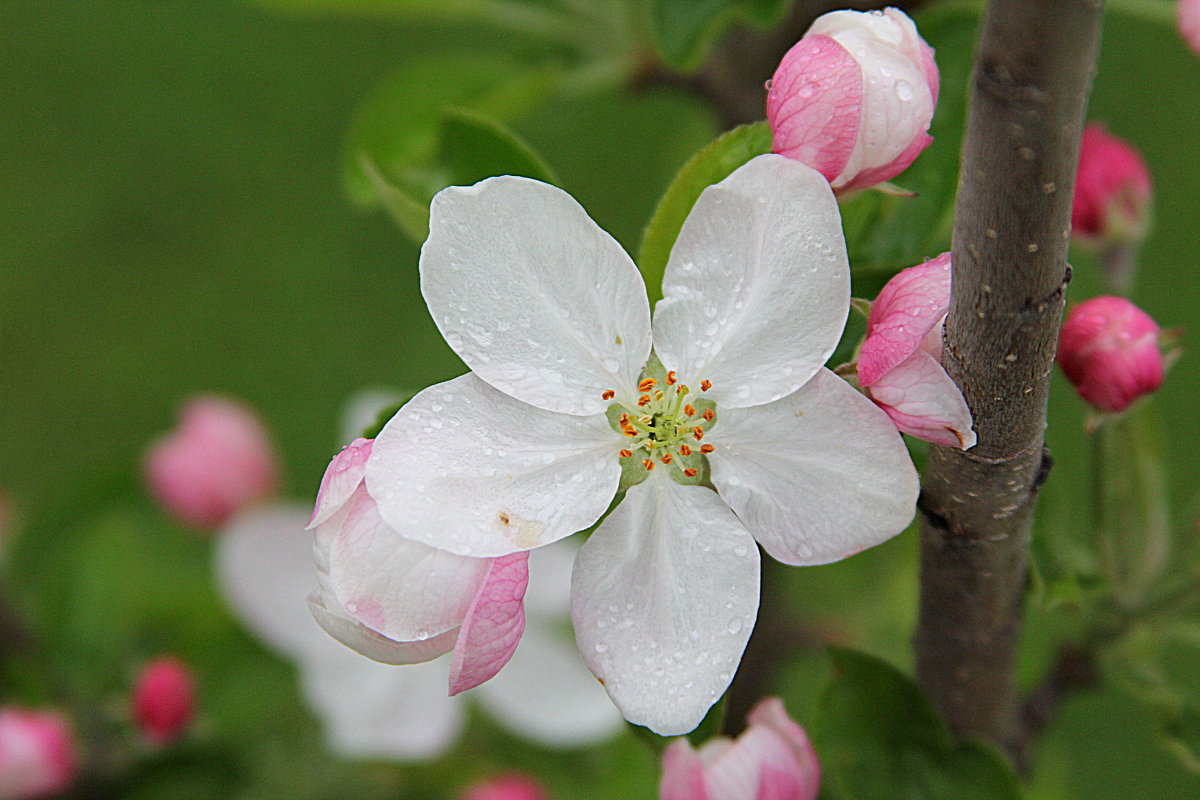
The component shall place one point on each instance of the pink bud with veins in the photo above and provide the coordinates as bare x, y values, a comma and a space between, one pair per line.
216, 462
771, 760
900, 366
508, 787
164, 700
1189, 22
1108, 349
853, 98
1112, 190
37, 754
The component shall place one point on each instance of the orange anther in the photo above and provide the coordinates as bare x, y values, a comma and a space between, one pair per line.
648, 464
706, 448
671, 378
684, 450
691, 473
666, 458
609, 394
658, 395
705, 385
646, 385
643, 401
697, 433
626, 453
709, 414
630, 432
690, 410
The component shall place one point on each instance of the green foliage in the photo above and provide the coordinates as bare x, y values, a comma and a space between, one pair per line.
711, 165
878, 737
686, 29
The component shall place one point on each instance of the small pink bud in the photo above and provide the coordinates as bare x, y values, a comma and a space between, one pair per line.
853, 99
900, 364
216, 462
1189, 22
508, 787
1108, 349
771, 760
164, 700
1112, 190
37, 754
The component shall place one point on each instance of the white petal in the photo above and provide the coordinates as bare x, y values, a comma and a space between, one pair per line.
816, 476
403, 589
547, 695
375, 711
531, 293
467, 469
264, 566
758, 286
548, 596
375, 645
664, 596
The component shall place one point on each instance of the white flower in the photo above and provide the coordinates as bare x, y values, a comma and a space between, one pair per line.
265, 569
551, 316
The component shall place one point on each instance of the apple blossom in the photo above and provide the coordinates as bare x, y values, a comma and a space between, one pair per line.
37, 754
565, 404
1189, 22
899, 365
854, 97
164, 700
369, 710
509, 787
218, 460
771, 760
1109, 351
1112, 190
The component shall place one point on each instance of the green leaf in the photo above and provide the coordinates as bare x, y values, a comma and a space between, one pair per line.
711, 165
685, 29
878, 737
397, 134
475, 147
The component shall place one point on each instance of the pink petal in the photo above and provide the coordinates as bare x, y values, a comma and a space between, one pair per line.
343, 475
493, 625
871, 176
683, 774
771, 714
815, 104
922, 401
1189, 22
906, 310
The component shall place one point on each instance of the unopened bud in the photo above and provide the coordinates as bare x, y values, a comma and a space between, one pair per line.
164, 700
37, 754
1109, 351
508, 787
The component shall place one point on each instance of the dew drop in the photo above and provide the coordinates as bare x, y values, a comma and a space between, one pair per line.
735, 625
904, 90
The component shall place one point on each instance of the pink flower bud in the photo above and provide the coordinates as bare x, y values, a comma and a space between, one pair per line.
1112, 190
1108, 349
771, 760
216, 462
509, 787
164, 700
1189, 22
37, 754
900, 366
853, 99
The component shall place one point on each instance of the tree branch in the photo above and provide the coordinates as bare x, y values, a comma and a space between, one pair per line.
1033, 70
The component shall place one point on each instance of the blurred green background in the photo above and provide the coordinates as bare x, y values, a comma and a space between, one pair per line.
173, 220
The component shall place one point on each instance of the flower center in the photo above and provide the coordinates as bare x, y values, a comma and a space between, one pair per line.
666, 427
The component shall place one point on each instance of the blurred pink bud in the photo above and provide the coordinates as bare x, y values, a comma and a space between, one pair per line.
164, 700
216, 462
1189, 22
771, 760
1112, 190
1108, 349
900, 366
508, 787
853, 99
37, 754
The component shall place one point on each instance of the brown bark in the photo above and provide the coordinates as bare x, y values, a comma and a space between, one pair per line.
1033, 70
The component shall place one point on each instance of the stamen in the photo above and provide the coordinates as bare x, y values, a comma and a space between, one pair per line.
609, 394
643, 401
671, 378
646, 385
626, 454
709, 415
684, 450
658, 395
691, 473
630, 432
697, 433
690, 410
682, 389
648, 464
666, 458
706, 448
705, 385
